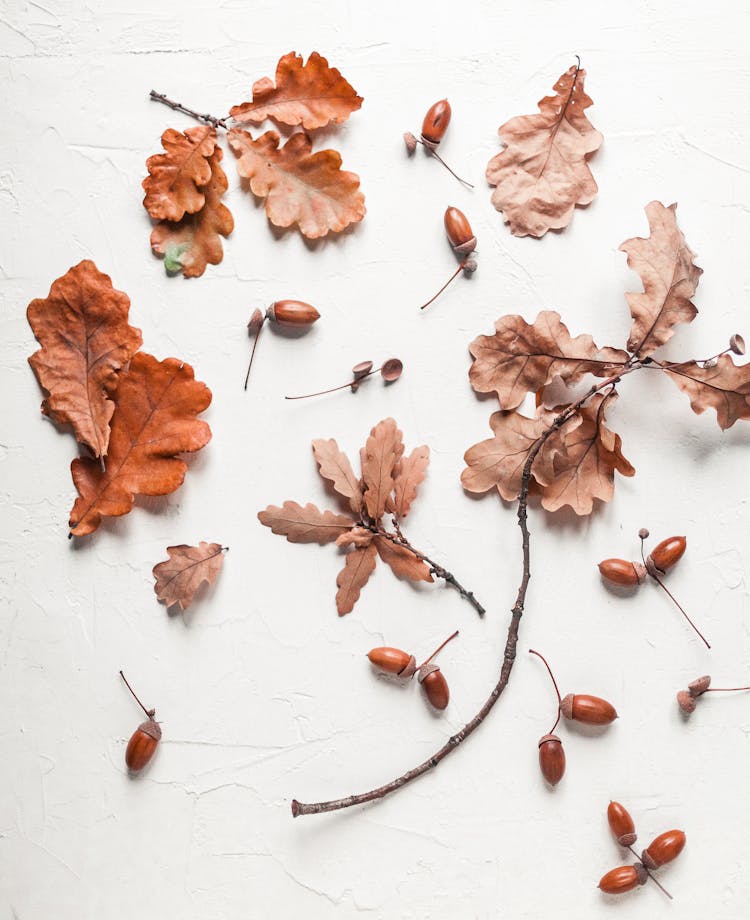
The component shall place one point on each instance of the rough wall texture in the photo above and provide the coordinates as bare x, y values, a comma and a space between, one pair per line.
264, 693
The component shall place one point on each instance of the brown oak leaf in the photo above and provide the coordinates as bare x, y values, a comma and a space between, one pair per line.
309, 190
382, 451
408, 475
306, 524
194, 242
670, 278
357, 536
334, 465
359, 565
584, 461
542, 173
156, 404
403, 562
188, 567
521, 358
175, 183
724, 387
312, 95
82, 326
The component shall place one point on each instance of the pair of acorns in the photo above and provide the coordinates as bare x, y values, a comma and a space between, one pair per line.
402, 664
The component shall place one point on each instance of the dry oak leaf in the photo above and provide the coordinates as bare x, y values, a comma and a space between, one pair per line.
521, 358
357, 536
82, 326
725, 388
381, 453
192, 243
584, 459
301, 188
334, 466
174, 185
188, 567
306, 524
156, 404
670, 278
403, 562
542, 173
312, 95
359, 565
408, 475
498, 462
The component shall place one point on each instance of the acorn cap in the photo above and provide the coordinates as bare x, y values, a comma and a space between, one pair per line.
686, 702
641, 873
426, 670
470, 266
627, 840
391, 370
545, 738
737, 344
566, 706
410, 141
256, 321
410, 668
151, 728
463, 249
699, 685
647, 861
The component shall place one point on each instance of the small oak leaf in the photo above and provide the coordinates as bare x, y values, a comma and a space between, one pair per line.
403, 562
334, 466
312, 95
175, 183
724, 387
382, 451
188, 567
306, 524
359, 565
409, 474
357, 536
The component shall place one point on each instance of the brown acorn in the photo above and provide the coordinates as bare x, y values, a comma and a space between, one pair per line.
396, 661
621, 824
667, 553
459, 232
144, 740
622, 572
663, 849
622, 879
434, 685
434, 126
292, 314
589, 709
393, 660
551, 759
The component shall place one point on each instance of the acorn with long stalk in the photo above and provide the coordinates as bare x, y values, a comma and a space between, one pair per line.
390, 371
655, 565
402, 664
144, 740
289, 314
462, 239
686, 699
434, 126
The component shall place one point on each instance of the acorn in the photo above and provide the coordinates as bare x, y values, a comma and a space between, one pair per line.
292, 314
592, 710
551, 759
621, 824
622, 879
144, 740
622, 572
434, 685
667, 553
663, 849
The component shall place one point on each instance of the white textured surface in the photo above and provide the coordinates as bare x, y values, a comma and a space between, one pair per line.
264, 693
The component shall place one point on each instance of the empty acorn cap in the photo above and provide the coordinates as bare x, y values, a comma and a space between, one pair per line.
699, 685
643, 533
737, 344
391, 370
361, 370
470, 265
686, 702
410, 141
256, 321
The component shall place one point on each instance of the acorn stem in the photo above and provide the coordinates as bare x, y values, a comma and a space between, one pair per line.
438, 649
652, 877
554, 682
252, 353
334, 389
149, 713
452, 277
679, 607
724, 689
441, 160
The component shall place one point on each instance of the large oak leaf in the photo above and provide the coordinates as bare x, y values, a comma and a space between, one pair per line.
82, 326
542, 173
174, 185
403, 562
188, 567
381, 453
194, 242
156, 405
725, 388
584, 459
670, 278
301, 188
306, 524
312, 95
334, 466
521, 358
359, 565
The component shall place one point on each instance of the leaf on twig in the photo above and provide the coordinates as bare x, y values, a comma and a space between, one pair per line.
409, 474
309, 190
382, 451
403, 562
188, 567
334, 465
357, 536
725, 388
82, 326
670, 278
521, 358
194, 242
542, 173
359, 565
306, 524
312, 95
584, 459
156, 405
175, 183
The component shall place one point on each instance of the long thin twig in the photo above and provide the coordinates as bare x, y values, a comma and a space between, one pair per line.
179, 107
509, 653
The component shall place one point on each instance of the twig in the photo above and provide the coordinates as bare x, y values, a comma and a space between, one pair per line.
509, 653
179, 107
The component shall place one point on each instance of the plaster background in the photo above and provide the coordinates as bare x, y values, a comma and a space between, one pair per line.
264, 693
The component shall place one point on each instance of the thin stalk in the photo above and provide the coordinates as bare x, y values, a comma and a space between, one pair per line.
342, 387
149, 712
554, 682
652, 877
452, 277
179, 107
680, 608
438, 649
441, 160
252, 353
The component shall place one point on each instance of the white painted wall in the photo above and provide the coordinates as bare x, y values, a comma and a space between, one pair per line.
264, 693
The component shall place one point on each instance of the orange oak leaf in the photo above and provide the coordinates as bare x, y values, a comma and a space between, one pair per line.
306, 524
309, 190
312, 95
499, 461
724, 387
334, 465
584, 461
359, 565
82, 326
192, 243
175, 183
542, 173
188, 567
670, 278
521, 358
156, 404
382, 451
408, 475
403, 562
